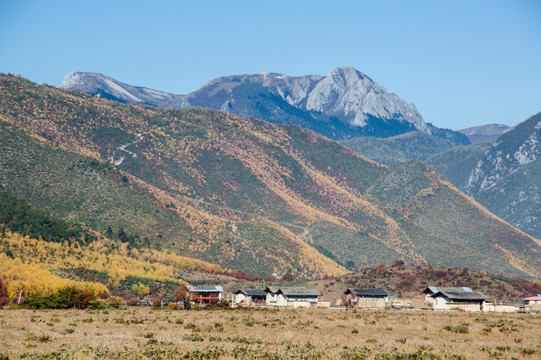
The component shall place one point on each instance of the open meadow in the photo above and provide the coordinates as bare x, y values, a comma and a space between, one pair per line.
145, 333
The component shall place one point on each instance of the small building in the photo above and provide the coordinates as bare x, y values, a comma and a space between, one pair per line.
296, 297
533, 303
367, 298
532, 300
271, 295
454, 298
206, 294
250, 297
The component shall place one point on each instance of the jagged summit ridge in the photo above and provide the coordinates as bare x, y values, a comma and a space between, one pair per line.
351, 93
344, 104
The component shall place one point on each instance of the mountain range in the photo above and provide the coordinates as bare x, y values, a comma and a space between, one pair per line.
485, 133
239, 192
342, 105
346, 97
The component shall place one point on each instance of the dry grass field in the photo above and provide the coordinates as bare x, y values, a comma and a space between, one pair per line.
143, 333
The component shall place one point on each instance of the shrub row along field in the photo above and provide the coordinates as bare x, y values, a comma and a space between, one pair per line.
137, 333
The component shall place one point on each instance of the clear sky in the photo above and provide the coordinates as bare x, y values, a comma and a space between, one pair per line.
462, 63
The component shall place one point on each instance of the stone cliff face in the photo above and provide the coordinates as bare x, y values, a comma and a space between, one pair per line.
507, 179
344, 104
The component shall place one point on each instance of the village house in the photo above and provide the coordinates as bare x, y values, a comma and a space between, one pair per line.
207, 294
296, 297
533, 302
454, 298
366, 298
250, 297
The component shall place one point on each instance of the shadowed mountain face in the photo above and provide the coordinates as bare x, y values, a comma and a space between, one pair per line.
243, 193
485, 133
343, 105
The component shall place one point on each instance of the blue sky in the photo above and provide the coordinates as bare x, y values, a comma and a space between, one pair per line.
462, 63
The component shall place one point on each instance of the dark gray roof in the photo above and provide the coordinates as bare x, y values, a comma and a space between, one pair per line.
461, 295
251, 292
205, 288
298, 291
436, 289
369, 292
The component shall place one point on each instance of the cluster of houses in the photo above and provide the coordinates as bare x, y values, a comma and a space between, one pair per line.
437, 298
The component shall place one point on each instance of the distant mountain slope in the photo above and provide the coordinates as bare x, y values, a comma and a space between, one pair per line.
484, 133
456, 163
399, 149
342, 105
243, 193
507, 179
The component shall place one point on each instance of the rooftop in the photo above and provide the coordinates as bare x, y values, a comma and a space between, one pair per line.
251, 292
205, 288
369, 292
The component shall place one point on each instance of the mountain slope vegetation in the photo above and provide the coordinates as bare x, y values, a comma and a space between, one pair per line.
242, 193
39, 252
399, 149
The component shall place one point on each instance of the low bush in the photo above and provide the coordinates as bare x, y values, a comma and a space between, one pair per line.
65, 298
462, 328
98, 305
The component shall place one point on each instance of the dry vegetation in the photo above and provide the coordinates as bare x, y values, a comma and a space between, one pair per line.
136, 333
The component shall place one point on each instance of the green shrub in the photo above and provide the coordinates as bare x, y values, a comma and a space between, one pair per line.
44, 339
527, 351
98, 305
462, 328
192, 337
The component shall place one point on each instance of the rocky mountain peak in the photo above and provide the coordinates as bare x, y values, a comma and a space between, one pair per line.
339, 105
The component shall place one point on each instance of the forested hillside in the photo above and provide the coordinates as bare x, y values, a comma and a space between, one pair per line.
242, 193
41, 254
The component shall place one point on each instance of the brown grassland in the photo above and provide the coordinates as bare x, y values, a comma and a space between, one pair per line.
144, 333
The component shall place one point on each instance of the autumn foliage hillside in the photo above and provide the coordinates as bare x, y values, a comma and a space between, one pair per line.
41, 254
239, 192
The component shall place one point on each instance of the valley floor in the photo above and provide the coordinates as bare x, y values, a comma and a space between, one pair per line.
143, 333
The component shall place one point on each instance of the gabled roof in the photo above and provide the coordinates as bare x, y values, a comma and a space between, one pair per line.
368, 292
251, 292
436, 289
298, 291
205, 288
460, 295
272, 289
